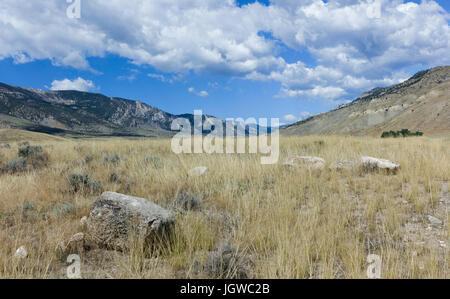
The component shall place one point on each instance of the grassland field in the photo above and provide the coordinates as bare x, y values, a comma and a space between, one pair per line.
280, 222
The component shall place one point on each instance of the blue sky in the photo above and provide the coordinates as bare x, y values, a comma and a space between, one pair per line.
284, 59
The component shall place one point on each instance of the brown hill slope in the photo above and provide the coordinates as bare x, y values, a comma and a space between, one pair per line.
422, 103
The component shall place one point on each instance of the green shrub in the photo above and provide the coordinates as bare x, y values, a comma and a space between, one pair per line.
15, 165
30, 151
83, 183
111, 158
35, 155
401, 133
64, 208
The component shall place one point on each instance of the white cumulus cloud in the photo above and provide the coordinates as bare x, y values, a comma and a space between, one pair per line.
289, 118
77, 84
202, 93
354, 45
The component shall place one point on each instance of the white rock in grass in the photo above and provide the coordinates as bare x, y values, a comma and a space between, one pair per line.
434, 221
371, 164
312, 162
198, 171
21, 253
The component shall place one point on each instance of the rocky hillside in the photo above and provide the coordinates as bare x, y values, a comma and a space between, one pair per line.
422, 103
74, 112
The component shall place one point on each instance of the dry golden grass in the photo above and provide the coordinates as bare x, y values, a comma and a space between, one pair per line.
293, 223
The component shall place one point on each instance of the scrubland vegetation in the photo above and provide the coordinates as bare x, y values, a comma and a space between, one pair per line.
243, 219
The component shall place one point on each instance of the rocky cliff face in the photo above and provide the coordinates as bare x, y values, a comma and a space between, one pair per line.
421, 103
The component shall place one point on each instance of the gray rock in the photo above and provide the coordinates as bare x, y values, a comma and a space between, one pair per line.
114, 217
434, 221
308, 161
373, 164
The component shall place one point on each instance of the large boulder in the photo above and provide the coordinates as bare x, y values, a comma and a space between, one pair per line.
115, 217
307, 161
374, 164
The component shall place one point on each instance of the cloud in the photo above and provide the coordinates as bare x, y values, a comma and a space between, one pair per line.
305, 115
317, 92
356, 46
77, 84
290, 118
166, 79
202, 93
129, 78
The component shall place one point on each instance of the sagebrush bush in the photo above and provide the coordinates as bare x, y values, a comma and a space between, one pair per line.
64, 208
111, 158
83, 183
15, 165
34, 155
30, 151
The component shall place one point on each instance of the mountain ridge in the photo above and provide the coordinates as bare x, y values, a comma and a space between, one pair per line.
419, 103
80, 113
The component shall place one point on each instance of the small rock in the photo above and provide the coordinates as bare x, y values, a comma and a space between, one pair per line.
312, 162
434, 221
198, 171
21, 253
373, 164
